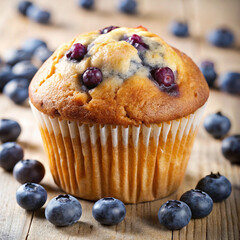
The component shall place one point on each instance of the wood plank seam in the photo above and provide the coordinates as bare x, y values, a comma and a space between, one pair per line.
27, 235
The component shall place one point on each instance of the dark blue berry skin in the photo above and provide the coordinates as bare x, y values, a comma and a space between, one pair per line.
217, 125
208, 71
76, 52
230, 82
200, 203
10, 154
216, 186
221, 37
23, 6
31, 196
109, 211
231, 149
63, 210
6, 75
136, 41
32, 44
14, 56
108, 29
29, 171
128, 6
174, 214
42, 53
38, 15
92, 77
179, 29
24, 69
88, 4
17, 90
9, 130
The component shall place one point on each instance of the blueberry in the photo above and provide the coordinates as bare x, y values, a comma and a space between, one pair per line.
165, 80
221, 37
31, 196
92, 77
29, 171
136, 41
14, 56
231, 149
107, 29
9, 130
217, 125
23, 6
164, 76
179, 29
230, 82
42, 53
216, 186
32, 44
38, 15
24, 69
17, 90
199, 202
6, 75
128, 6
63, 210
174, 214
208, 71
10, 154
76, 52
88, 4
109, 211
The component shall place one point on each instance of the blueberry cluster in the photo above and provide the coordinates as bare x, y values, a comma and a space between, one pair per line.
65, 210
11, 155
228, 82
30, 195
92, 76
62, 210
218, 126
17, 69
125, 6
195, 203
33, 12
222, 37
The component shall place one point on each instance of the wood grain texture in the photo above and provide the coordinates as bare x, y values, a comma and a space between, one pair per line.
141, 220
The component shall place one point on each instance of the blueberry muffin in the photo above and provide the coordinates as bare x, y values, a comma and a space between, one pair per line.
118, 110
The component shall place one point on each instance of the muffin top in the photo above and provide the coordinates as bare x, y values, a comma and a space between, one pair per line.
118, 76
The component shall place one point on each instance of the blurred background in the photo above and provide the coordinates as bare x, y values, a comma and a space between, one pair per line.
68, 19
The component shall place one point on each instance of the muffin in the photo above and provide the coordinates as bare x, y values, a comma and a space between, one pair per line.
118, 110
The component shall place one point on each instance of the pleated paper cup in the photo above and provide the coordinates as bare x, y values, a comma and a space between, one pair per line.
132, 163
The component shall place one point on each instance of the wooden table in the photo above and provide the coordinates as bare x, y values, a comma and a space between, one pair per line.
141, 219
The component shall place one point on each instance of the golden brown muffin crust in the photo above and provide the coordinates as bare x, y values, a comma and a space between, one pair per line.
126, 95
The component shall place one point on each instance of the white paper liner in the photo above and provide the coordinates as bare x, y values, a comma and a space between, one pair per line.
133, 163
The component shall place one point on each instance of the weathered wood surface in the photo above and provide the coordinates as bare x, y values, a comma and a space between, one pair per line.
141, 220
